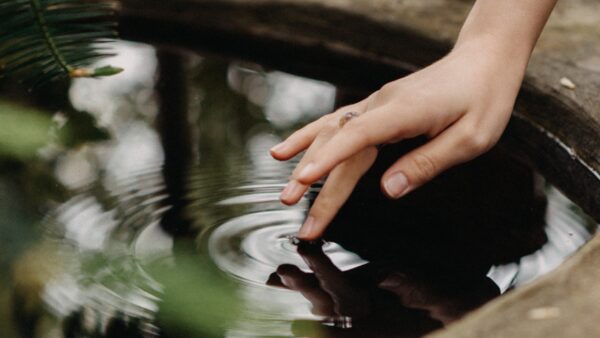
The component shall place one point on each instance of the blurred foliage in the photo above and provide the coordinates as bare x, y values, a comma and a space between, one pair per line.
6, 326
44, 40
198, 300
24, 130
15, 223
17, 233
27, 184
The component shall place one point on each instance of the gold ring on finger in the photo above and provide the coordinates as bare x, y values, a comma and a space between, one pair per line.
347, 117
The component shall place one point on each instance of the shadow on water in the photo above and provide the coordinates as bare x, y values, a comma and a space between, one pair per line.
173, 228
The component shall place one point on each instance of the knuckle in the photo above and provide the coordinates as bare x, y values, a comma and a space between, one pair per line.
424, 166
404, 91
388, 87
481, 142
330, 127
469, 129
475, 138
386, 91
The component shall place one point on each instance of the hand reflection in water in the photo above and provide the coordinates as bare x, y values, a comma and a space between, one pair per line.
375, 300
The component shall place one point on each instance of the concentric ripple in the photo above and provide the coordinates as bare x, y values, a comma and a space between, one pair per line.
251, 247
252, 231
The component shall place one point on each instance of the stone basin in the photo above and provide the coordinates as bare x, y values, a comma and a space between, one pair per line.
556, 129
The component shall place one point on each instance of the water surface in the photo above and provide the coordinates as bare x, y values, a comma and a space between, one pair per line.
173, 226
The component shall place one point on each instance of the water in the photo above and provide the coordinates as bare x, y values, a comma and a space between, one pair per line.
173, 227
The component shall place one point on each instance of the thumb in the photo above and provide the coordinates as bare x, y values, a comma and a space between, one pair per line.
455, 145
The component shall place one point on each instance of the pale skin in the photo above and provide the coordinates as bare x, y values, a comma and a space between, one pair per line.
462, 103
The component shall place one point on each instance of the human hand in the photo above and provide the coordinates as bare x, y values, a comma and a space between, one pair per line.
462, 103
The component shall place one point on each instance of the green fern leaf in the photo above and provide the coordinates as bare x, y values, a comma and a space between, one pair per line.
43, 40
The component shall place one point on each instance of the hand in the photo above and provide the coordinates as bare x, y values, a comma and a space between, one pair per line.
462, 103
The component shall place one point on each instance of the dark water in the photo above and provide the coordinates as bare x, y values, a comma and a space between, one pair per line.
173, 227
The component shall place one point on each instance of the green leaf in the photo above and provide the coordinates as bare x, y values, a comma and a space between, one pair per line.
55, 38
106, 71
97, 72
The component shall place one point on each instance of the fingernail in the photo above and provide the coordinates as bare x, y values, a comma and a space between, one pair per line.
307, 170
396, 184
307, 228
289, 191
278, 148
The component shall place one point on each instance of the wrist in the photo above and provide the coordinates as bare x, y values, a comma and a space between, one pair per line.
493, 51
507, 28
494, 68
492, 45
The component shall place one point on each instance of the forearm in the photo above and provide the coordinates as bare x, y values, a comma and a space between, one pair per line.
510, 27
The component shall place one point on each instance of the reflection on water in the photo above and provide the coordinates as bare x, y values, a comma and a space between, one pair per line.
285, 99
188, 167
